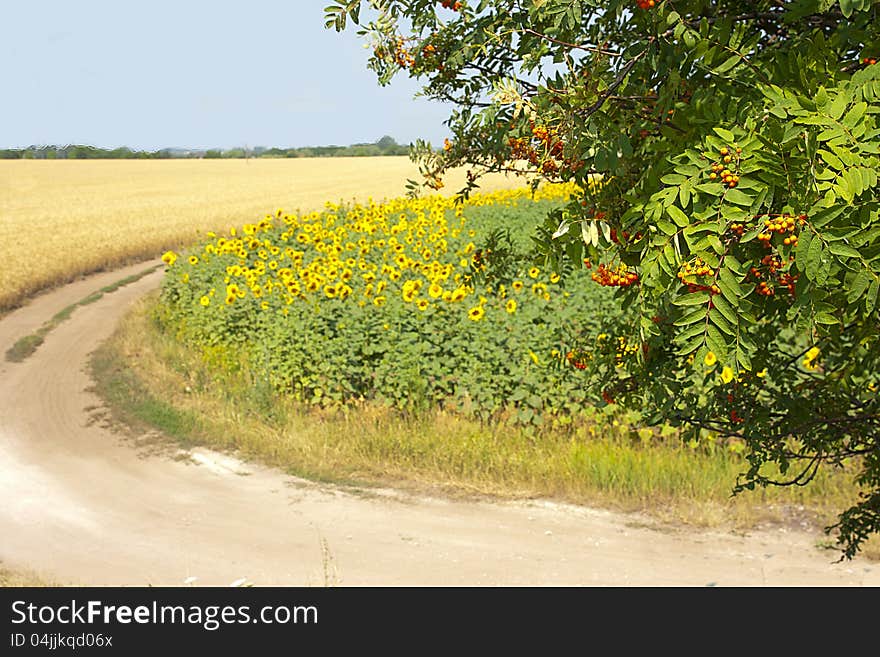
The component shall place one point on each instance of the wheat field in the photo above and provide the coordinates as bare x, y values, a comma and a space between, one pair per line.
64, 218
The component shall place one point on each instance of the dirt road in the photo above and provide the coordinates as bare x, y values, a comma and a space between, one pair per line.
79, 503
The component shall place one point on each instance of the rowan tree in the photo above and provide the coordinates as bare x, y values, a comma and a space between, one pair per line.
727, 154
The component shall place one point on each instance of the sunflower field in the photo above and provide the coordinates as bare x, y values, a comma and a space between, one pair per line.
411, 303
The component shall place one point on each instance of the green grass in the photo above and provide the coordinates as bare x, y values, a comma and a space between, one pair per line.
600, 459
25, 346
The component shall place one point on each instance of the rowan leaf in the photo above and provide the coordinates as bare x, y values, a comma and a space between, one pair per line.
842, 250
805, 240
679, 217
691, 299
831, 160
726, 135
688, 334
698, 315
716, 342
871, 298
858, 287
720, 302
814, 258
738, 197
719, 320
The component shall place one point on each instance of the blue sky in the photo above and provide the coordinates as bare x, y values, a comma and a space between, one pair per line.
194, 74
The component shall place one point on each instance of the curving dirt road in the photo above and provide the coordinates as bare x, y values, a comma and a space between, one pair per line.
85, 507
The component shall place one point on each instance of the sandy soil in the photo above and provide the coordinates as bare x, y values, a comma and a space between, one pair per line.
84, 506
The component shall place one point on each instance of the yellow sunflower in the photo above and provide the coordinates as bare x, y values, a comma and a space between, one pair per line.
476, 313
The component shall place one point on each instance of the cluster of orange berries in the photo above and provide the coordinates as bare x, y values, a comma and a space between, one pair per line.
773, 264
696, 268
696, 287
405, 56
781, 224
868, 61
448, 4
737, 229
541, 132
619, 277
788, 280
547, 154
402, 55
431, 57
553, 145
623, 236
549, 168
578, 359
520, 148
646, 4
434, 181
765, 289
722, 169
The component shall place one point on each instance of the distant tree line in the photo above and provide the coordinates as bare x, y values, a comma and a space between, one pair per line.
384, 146
81, 152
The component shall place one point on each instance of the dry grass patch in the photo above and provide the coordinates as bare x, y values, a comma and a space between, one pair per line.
18, 577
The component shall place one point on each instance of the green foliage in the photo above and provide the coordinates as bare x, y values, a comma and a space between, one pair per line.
738, 146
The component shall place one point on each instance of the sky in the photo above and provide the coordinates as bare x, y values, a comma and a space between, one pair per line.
195, 74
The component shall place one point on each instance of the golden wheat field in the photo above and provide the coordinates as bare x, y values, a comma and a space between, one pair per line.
63, 218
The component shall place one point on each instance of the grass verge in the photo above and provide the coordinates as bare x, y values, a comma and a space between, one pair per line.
148, 378
27, 345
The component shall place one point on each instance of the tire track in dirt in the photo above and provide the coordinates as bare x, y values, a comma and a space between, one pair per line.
86, 507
